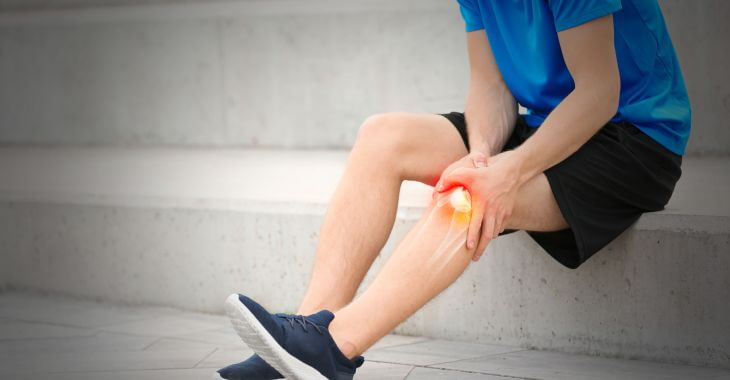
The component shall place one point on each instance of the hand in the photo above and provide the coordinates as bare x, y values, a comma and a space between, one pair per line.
493, 189
470, 161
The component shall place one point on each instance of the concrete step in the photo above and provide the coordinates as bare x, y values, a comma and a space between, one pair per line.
306, 72
185, 228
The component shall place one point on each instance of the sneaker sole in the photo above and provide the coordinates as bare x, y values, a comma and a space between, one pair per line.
217, 376
253, 333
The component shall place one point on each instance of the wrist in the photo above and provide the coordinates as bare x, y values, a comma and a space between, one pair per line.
524, 166
479, 146
481, 149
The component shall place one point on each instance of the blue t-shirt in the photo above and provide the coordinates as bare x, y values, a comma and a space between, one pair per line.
524, 40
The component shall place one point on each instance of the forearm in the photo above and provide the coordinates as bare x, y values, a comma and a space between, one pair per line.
491, 111
571, 124
590, 56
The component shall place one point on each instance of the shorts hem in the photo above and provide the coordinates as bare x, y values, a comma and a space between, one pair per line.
561, 198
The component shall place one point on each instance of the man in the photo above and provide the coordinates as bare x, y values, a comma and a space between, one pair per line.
601, 80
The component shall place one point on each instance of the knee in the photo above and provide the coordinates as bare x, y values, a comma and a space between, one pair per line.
386, 134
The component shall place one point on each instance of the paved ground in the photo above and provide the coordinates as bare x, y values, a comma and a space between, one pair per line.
61, 338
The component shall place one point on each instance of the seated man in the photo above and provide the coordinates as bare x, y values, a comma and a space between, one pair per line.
601, 80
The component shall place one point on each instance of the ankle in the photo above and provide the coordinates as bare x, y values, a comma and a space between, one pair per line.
347, 348
343, 339
331, 303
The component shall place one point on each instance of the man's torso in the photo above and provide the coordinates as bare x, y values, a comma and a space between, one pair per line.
523, 37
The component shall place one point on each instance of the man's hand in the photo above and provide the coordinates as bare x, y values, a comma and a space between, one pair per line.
470, 161
493, 189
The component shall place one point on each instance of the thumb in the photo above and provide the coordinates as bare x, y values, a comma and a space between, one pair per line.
458, 177
479, 159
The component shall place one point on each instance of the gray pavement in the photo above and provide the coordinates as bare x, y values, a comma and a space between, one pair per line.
64, 338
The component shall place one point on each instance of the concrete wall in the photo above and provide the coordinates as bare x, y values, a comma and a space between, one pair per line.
665, 303
253, 73
271, 73
34, 5
701, 36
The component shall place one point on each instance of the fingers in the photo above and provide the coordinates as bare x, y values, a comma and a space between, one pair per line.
502, 219
483, 241
458, 177
444, 174
498, 220
472, 235
487, 234
479, 159
476, 159
490, 220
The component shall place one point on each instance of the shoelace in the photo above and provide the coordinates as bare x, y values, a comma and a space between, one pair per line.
301, 321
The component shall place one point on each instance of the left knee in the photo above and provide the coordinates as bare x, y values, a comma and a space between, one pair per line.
387, 133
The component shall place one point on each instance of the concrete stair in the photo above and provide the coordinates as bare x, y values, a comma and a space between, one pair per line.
161, 152
304, 73
271, 73
184, 228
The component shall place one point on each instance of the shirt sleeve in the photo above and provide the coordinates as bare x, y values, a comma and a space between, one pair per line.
571, 13
471, 14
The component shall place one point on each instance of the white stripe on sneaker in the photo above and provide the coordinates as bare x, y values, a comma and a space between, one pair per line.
258, 339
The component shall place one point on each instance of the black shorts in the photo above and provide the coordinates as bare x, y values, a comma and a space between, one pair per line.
602, 188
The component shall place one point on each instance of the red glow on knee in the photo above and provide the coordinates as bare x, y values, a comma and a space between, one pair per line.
460, 200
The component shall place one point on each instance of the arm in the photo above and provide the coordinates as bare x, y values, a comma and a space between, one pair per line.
588, 51
490, 110
490, 107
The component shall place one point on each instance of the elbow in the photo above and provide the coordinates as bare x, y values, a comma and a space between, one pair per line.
603, 95
610, 92
613, 95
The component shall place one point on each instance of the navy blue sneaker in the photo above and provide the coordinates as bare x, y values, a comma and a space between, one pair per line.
253, 368
299, 347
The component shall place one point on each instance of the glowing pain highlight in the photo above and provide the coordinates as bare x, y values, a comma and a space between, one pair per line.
455, 237
452, 210
460, 200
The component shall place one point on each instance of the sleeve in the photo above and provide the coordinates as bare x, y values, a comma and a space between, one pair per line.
571, 13
471, 15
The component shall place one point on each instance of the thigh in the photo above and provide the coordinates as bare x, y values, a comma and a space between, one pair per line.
536, 208
419, 145
599, 191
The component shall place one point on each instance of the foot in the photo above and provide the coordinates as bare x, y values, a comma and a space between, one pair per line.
299, 347
253, 368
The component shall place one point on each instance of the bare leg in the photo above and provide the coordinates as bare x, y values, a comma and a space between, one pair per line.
390, 148
431, 257
536, 208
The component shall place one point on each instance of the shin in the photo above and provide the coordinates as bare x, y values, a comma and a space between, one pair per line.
427, 261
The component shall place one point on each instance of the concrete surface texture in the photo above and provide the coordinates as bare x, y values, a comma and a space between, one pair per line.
253, 73
65, 338
185, 228
284, 73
